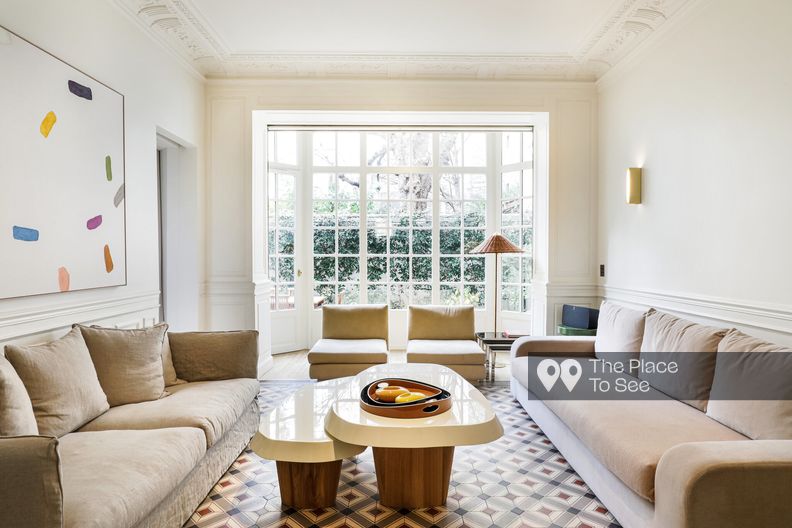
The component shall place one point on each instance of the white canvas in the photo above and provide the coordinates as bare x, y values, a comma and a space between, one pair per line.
57, 183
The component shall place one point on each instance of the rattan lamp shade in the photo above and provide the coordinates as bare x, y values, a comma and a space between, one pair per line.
496, 243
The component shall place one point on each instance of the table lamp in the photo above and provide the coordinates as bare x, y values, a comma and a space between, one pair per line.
497, 244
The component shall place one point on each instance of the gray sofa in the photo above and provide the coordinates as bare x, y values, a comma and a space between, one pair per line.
146, 464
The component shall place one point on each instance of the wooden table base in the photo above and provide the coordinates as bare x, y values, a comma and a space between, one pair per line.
309, 485
413, 478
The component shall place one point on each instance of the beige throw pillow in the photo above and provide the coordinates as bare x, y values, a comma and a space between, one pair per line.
16, 411
620, 331
61, 381
201, 356
168, 370
128, 362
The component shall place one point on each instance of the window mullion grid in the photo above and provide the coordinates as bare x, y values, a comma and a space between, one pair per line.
363, 200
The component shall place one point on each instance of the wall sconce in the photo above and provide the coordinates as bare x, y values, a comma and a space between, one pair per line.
634, 185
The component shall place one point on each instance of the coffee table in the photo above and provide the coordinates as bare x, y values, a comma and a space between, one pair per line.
307, 459
413, 457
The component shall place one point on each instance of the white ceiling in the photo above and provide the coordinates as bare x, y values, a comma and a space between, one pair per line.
475, 39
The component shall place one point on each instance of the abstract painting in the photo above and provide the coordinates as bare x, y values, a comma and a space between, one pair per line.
62, 194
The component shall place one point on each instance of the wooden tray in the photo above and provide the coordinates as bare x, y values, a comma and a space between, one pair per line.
437, 400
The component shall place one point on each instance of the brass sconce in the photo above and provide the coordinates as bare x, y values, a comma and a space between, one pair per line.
634, 185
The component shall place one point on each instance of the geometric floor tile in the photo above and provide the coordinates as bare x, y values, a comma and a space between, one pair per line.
518, 481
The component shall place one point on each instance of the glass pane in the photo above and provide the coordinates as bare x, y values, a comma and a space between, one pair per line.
348, 214
511, 185
450, 294
324, 186
422, 242
513, 234
349, 241
286, 145
450, 186
376, 149
325, 293
510, 298
324, 149
475, 214
285, 187
400, 214
285, 297
450, 269
400, 241
324, 213
422, 214
421, 149
527, 179
399, 148
348, 149
324, 241
421, 294
526, 298
348, 186
378, 294
511, 147
473, 237
348, 268
286, 242
450, 241
271, 241
349, 294
527, 238
377, 214
422, 269
527, 270
271, 211
527, 139
511, 214
399, 269
397, 186
377, 187
285, 212
286, 269
475, 149
399, 296
324, 269
450, 214
271, 269
527, 212
377, 241
474, 269
475, 187
377, 267
510, 268
418, 186
450, 149
474, 294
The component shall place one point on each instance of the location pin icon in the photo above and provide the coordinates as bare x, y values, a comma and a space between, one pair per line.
548, 372
570, 373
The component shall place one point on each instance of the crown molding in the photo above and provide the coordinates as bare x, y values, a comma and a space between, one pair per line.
180, 27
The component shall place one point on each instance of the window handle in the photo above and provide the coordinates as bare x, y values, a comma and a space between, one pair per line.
299, 273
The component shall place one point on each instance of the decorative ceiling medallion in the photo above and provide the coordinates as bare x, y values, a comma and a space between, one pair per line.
179, 26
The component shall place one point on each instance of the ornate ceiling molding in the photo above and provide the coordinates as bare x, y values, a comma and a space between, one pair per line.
179, 26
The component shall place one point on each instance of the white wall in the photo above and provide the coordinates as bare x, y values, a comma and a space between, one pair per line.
94, 36
707, 112
571, 272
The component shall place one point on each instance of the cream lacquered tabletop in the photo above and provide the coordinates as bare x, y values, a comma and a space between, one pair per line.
470, 421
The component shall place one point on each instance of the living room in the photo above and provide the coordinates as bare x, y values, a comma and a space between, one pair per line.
226, 224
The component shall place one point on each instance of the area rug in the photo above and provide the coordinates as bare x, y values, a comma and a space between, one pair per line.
519, 481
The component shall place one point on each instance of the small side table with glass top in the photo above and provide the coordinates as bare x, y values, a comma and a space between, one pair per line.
492, 343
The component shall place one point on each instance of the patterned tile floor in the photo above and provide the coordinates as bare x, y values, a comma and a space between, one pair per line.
519, 481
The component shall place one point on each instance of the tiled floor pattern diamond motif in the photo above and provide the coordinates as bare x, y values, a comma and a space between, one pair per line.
519, 481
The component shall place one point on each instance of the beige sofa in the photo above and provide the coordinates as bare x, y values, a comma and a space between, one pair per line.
144, 464
665, 463
354, 338
445, 335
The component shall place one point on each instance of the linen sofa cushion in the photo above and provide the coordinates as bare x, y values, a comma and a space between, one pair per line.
116, 478
445, 352
620, 331
441, 322
691, 346
212, 406
128, 362
16, 412
30, 482
748, 369
206, 356
629, 437
348, 351
61, 381
365, 321
168, 370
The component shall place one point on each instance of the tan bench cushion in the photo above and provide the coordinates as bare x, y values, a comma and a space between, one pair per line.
441, 322
326, 351
364, 321
212, 406
629, 437
445, 352
115, 478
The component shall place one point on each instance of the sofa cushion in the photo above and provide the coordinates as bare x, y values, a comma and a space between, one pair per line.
445, 352
348, 351
212, 406
168, 370
619, 333
629, 437
61, 381
16, 413
30, 483
195, 354
115, 478
748, 369
441, 322
691, 346
128, 362
364, 321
